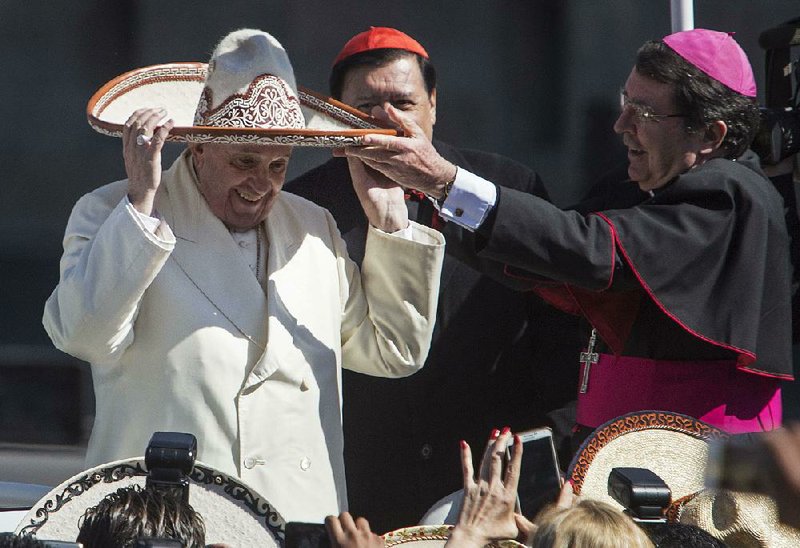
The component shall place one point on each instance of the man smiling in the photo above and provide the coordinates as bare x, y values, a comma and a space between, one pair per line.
209, 302
688, 292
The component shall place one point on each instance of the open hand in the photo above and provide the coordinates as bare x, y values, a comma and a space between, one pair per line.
487, 513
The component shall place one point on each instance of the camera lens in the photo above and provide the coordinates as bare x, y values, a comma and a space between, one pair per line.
778, 136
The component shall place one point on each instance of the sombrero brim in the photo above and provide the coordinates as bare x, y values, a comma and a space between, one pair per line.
432, 536
672, 445
735, 518
177, 88
233, 513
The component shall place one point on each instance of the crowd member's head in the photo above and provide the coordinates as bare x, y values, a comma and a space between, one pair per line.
10, 540
681, 535
587, 524
131, 513
383, 66
689, 98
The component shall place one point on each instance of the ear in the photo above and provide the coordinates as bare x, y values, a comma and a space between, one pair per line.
433, 106
196, 150
714, 135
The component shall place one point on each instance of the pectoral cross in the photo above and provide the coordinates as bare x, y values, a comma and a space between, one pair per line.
587, 359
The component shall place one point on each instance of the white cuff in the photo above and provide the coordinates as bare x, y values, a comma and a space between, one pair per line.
469, 201
406, 233
149, 224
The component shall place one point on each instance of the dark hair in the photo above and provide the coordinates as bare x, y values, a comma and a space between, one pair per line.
10, 540
378, 58
702, 98
132, 512
681, 535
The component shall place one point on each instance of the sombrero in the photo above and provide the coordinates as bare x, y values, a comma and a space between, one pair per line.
233, 513
432, 536
672, 445
246, 94
740, 520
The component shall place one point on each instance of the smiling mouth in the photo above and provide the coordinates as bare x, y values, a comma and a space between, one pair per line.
635, 151
249, 197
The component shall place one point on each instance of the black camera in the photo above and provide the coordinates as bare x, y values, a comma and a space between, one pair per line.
643, 494
170, 459
306, 535
778, 136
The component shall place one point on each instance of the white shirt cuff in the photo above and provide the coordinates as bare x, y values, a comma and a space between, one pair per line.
149, 224
469, 201
406, 233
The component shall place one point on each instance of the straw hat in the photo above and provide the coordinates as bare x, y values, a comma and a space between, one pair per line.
246, 94
672, 445
233, 513
740, 520
432, 536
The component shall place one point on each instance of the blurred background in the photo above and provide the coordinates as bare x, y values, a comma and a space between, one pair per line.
535, 80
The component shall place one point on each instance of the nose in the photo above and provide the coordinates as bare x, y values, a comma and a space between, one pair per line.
624, 121
264, 179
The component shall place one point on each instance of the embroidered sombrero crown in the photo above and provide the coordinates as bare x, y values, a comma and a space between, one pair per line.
247, 93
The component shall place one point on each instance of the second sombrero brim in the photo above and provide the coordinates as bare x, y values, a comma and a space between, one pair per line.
233, 513
177, 87
672, 445
433, 536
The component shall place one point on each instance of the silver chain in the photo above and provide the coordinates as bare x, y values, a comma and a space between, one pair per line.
233, 323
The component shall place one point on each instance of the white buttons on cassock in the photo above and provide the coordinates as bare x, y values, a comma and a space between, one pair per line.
305, 463
426, 451
252, 462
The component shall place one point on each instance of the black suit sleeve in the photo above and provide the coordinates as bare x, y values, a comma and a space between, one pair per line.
530, 234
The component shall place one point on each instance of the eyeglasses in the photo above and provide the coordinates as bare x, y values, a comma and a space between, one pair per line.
642, 114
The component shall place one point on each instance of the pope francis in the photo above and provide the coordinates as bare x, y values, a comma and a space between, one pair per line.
209, 302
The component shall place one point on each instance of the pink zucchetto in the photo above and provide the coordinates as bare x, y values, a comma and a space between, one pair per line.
718, 55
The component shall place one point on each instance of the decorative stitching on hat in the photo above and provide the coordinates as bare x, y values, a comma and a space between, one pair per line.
200, 475
154, 75
171, 78
336, 113
268, 102
635, 422
437, 533
258, 139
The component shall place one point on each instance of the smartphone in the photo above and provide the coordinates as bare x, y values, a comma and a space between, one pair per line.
539, 476
306, 535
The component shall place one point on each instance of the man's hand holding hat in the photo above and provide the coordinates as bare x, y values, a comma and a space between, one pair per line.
142, 141
411, 161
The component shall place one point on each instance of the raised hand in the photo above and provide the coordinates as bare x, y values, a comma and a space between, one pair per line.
142, 141
382, 199
487, 513
344, 532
